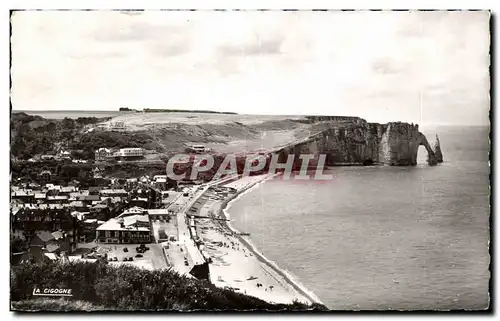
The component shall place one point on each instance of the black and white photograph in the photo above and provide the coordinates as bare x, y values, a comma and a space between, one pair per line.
250, 160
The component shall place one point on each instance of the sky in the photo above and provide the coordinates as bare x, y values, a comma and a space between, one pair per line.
420, 67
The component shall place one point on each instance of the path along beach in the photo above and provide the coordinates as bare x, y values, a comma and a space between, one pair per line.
236, 264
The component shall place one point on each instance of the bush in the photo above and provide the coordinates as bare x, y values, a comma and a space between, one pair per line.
128, 287
45, 304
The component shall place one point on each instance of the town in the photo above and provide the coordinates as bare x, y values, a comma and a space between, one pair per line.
75, 222
109, 209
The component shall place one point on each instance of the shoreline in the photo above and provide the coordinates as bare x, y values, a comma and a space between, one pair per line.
223, 213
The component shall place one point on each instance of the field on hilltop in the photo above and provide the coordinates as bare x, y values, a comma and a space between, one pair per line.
224, 133
163, 134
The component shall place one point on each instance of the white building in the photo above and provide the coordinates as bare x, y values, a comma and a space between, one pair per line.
101, 154
131, 152
199, 148
129, 229
117, 126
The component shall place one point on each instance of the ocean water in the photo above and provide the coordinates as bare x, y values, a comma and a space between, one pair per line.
402, 238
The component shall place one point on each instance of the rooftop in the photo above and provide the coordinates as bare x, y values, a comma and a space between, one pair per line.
113, 191
115, 225
131, 220
158, 211
132, 211
45, 236
58, 235
57, 197
110, 225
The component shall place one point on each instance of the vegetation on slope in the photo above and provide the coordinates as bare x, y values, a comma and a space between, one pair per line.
32, 135
61, 304
130, 288
35, 135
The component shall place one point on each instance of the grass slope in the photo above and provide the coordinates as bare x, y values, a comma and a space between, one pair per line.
99, 286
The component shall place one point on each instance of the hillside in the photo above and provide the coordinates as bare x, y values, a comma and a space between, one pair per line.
99, 285
32, 135
165, 133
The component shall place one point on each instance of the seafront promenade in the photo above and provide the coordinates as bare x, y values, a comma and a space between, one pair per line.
185, 237
234, 263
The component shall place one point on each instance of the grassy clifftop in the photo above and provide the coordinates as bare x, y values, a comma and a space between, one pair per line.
99, 286
160, 131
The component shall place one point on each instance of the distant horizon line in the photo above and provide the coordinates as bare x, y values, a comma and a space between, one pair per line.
222, 112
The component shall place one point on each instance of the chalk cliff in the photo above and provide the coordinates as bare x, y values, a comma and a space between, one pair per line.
357, 142
437, 150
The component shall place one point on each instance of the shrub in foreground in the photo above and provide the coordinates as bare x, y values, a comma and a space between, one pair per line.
103, 286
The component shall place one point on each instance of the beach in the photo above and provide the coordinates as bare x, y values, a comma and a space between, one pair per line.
235, 263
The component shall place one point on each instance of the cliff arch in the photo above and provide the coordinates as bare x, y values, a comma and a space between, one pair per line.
431, 156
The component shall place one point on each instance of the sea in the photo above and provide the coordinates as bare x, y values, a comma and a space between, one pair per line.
382, 237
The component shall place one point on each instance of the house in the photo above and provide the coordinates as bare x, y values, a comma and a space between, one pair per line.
127, 153
159, 177
63, 240
129, 229
58, 199
159, 214
24, 196
136, 220
78, 206
75, 196
98, 209
27, 221
112, 200
40, 197
139, 201
132, 152
160, 181
136, 210
81, 216
51, 256
74, 183
100, 127
51, 242
102, 154
54, 189
113, 192
44, 240
66, 190
65, 155
131, 183
89, 199
48, 157
153, 195
94, 190
198, 149
118, 126
87, 232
